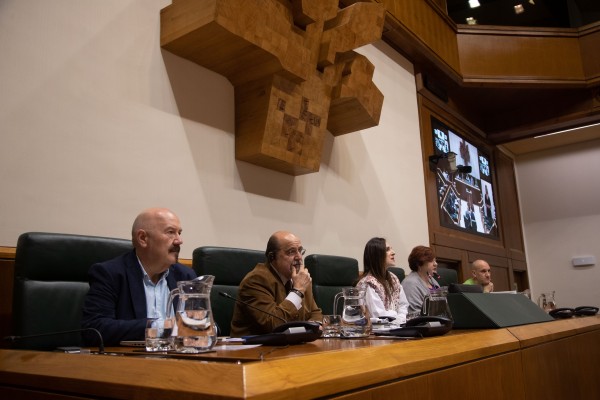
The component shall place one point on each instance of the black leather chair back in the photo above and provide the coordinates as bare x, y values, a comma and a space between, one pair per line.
399, 272
447, 276
229, 266
329, 275
51, 282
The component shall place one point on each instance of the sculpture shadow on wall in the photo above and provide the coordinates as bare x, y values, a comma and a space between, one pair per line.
200, 94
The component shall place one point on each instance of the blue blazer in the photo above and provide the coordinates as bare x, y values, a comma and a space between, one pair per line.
116, 302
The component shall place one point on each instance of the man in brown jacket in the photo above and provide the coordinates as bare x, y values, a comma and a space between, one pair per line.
281, 287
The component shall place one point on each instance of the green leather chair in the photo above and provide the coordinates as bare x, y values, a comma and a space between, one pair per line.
229, 266
50, 284
399, 272
329, 275
447, 276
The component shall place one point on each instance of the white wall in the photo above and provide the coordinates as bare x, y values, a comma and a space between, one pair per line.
97, 123
560, 200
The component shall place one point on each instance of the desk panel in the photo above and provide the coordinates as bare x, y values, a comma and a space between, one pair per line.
517, 363
493, 378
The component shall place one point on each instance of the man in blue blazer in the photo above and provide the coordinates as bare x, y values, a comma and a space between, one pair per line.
127, 290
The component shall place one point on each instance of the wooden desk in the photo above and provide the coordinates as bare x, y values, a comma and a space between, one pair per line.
495, 364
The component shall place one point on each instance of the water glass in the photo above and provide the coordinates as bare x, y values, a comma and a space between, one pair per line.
158, 334
331, 326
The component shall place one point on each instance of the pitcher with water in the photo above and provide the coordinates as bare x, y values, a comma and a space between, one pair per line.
193, 319
436, 304
546, 301
355, 321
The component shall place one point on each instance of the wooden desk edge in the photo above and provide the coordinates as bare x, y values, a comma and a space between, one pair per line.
7, 253
534, 334
305, 376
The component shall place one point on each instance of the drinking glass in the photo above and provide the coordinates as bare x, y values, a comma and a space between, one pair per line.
331, 326
158, 334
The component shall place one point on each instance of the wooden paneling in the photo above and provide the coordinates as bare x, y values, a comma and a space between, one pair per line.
322, 371
510, 55
422, 32
499, 253
589, 39
509, 211
560, 364
536, 334
511, 82
7, 273
526, 362
553, 354
454, 380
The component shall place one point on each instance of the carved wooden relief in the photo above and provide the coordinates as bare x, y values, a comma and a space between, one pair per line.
293, 68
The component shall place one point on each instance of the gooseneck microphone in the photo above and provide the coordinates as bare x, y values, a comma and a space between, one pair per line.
14, 339
285, 334
251, 306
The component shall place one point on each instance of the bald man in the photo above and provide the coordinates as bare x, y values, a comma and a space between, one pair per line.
127, 290
482, 275
281, 287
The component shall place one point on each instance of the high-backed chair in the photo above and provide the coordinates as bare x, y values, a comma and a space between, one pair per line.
229, 266
329, 275
51, 282
399, 272
447, 276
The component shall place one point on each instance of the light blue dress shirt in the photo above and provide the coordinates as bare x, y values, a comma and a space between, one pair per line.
157, 295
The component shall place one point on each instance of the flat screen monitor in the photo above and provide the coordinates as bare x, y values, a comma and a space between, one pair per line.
466, 200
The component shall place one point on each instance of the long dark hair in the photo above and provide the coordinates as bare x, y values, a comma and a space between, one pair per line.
374, 263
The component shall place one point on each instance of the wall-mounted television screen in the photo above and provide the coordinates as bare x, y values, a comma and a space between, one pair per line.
466, 200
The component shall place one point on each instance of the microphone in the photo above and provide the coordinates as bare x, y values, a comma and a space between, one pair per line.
294, 332
14, 339
251, 306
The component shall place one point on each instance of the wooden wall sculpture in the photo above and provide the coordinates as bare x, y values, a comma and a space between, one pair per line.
293, 68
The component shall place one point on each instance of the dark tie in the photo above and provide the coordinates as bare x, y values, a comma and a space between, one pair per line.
288, 286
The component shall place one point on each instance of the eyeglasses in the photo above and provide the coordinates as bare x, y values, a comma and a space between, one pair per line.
293, 252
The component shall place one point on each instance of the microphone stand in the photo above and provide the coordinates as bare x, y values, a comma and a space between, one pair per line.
227, 295
14, 339
283, 335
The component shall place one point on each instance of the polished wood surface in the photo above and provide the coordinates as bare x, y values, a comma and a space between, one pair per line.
567, 368
7, 273
469, 381
562, 357
461, 362
531, 335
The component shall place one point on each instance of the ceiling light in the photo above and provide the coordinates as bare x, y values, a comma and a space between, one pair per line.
471, 21
532, 2
475, 3
519, 9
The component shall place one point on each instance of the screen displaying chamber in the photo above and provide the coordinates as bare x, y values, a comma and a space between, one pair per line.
466, 200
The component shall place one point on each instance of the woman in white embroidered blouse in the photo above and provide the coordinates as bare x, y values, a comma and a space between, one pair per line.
384, 295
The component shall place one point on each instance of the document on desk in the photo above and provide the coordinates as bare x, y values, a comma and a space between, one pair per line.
229, 347
229, 343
